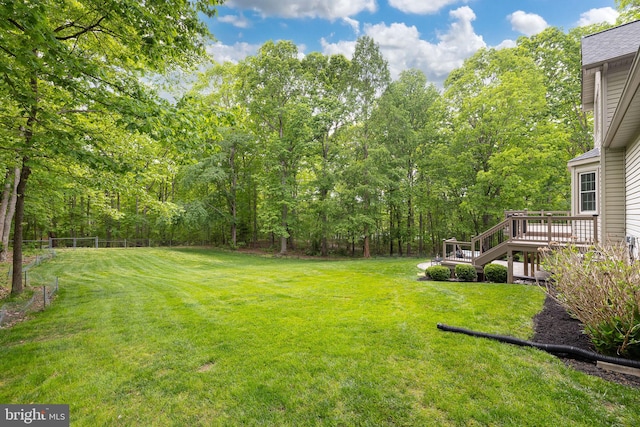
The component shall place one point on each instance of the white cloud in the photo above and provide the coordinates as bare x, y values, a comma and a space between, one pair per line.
422, 7
355, 25
597, 16
235, 20
224, 53
403, 48
346, 48
506, 44
528, 24
327, 9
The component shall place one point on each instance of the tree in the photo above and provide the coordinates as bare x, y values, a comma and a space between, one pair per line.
629, 10
497, 104
327, 80
557, 54
400, 122
273, 89
63, 59
369, 79
227, 161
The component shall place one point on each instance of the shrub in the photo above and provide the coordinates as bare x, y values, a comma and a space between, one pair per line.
438, 272
495, 273
601, 288
466, 273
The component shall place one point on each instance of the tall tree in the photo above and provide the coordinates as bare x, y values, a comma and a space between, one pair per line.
497, 100
369, 79
62, 59
273, 89
401, 121
557, 54
327, 85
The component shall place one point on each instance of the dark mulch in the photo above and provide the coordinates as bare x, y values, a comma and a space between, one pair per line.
553, 325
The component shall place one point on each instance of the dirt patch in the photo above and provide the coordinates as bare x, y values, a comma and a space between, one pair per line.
553, 325
206, 367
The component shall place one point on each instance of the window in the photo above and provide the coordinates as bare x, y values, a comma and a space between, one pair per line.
587, 192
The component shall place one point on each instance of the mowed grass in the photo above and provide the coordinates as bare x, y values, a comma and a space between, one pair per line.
162, 337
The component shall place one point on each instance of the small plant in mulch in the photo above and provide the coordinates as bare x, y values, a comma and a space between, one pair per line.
599, 286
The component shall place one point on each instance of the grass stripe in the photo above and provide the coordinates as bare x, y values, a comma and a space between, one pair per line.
202, 337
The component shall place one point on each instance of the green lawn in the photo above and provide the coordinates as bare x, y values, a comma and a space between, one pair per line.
199, 337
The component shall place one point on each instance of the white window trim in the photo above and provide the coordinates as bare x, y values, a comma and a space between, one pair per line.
580, 192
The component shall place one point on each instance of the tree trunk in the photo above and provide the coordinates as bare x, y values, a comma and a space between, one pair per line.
410, 219
324, 245
16, 280
9, 217
233, 196
254, 218
366, 252
283, 238
391, 233
6, 194
421, 235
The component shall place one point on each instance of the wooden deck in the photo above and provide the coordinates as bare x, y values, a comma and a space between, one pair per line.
521, 233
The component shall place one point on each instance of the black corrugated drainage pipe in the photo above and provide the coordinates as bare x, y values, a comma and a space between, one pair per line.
570, 351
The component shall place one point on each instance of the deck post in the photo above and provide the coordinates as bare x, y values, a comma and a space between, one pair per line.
510, 266
595, 228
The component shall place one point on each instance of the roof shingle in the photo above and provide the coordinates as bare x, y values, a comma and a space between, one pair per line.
609, 44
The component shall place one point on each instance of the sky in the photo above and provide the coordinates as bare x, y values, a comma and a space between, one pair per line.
435, 36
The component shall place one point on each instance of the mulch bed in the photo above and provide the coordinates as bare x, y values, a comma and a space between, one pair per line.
553, 325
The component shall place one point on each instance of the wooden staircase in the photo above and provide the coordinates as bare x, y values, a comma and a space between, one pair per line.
521, 232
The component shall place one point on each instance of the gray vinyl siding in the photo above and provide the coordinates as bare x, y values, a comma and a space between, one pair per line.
615, 85
633, 190
613, 196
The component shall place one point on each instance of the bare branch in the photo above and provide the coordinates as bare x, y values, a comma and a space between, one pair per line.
83, 30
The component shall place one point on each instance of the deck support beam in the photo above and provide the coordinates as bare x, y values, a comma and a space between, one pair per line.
510, 266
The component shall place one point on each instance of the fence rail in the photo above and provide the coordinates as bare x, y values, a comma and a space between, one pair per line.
86, 242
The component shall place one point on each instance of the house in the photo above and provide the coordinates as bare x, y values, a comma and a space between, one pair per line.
606, 180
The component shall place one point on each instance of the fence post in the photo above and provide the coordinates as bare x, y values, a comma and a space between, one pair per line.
25, 278
125, 243
44, 296
74, 243
50, 242
96, 242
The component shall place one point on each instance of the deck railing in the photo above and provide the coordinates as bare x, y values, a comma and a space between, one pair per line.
559, 228
454, 250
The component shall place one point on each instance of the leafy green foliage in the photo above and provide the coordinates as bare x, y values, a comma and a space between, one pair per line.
495, 273
438, 272
64, 61
601, 288
466, 273
322, 153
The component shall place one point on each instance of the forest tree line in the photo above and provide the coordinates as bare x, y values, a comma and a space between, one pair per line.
314, 153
